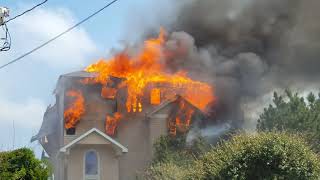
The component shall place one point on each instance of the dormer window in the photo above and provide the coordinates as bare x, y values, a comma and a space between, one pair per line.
71, 131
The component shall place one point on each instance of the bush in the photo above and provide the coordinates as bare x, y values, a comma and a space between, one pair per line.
22, 164
175, 149
173, 157
260, 156
166, 171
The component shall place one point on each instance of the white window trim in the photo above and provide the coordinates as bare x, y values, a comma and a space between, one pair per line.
84, 165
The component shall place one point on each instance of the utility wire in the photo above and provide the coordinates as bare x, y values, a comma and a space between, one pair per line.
57, 36
26, 11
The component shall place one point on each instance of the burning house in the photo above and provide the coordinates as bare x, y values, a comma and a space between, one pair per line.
107, 117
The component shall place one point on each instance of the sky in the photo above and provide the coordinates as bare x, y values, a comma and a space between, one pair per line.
26, 86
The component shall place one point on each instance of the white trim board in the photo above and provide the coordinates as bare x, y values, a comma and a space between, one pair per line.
117, 144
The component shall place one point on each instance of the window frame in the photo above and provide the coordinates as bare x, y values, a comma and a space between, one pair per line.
91, 177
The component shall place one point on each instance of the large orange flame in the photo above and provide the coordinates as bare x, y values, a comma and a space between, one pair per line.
75, 109
147, 67
112, 122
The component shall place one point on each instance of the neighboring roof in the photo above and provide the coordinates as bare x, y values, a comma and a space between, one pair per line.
167, 102
114, 142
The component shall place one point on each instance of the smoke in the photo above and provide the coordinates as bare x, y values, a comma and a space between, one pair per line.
247, 49
211, 133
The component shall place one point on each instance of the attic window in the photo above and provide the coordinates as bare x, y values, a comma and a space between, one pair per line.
155, 96
71, 131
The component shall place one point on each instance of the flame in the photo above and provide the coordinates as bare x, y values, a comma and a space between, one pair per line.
108, 93
112, 122
75, 109
182, 119
155, 98
147, 67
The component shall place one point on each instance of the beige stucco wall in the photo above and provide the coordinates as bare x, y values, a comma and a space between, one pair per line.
108, 162
133, 134
94, 117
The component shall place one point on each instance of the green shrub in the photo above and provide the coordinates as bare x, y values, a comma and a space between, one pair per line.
166, 171
173, 157
22, 164
175, 149
259, 156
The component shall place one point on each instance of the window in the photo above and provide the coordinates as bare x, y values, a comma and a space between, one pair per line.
155, 96
71, 131
91, 165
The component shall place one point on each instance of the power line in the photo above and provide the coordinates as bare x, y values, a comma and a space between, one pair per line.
26, 11
57, 36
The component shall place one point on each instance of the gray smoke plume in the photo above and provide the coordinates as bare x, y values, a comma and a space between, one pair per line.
247, 49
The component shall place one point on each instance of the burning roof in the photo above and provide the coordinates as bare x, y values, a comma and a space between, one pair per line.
144, 74
137, 83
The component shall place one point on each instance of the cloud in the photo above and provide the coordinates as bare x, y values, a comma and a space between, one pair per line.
27, 114
32, 29
26, 86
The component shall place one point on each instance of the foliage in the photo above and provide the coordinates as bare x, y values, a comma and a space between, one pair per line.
176, 149
173, 156
260, 156
293, 113
166, 171
22, 164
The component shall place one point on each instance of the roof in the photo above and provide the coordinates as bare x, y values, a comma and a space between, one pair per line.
169, 101
114, 142
82, 74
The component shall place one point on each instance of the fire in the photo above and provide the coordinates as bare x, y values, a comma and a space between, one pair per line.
182, 119
112, 122
75, 109
148, 67
155, 96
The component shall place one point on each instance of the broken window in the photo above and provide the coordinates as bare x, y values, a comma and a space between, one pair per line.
108, 93
71, 131
155, 96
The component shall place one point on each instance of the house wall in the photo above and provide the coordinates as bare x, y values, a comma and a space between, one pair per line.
157, 127
109, 163
96, 110
133, 134
138, 134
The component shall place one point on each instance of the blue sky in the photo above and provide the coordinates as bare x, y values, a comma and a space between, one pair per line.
26, 87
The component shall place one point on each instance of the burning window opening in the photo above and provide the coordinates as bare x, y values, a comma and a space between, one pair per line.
108, 93
112, 123
181, 120
75, 109
155, 96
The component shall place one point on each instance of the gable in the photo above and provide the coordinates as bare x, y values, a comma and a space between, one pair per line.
94, 134
94, 138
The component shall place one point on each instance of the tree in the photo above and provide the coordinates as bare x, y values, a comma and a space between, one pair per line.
259, 156
294, 114
22, 164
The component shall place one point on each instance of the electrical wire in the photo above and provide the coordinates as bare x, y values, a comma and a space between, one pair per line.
57, 36
26, 11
